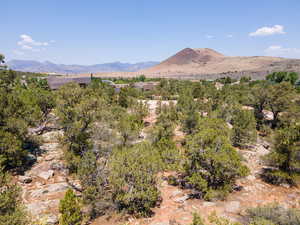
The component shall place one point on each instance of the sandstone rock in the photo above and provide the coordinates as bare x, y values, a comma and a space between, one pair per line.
175, 193
250, 178
57, 187
160, 223
25, 179
49, 157
52, 136
46, 175
50, 147
49, 189
208, 204
232, 207
57, 166
36, 208
181, 199
285, 185
52, 220
38, 193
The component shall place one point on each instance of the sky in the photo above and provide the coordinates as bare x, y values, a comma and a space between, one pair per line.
101, 31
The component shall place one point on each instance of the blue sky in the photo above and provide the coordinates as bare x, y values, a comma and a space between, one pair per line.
98, 31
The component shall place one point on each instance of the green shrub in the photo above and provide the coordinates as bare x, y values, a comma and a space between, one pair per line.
197, 220
11, 209
69, 207
284, 156
133, 178
212, 165
244, 128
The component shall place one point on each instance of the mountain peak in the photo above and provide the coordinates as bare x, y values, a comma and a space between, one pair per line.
196, 55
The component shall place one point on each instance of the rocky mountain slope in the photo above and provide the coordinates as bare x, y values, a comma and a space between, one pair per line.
49, 67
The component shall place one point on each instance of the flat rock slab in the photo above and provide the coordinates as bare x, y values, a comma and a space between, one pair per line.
160, 223
232, 207
209, 204
39, 207
181, 199
52, 136
46, 175
49, 189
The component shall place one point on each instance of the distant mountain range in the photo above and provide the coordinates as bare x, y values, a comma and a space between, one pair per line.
49, 67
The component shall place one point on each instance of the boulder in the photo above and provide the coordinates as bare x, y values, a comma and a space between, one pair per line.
25, 179
52, 219
46, 175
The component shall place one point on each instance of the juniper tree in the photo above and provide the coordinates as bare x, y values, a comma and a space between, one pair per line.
69, 207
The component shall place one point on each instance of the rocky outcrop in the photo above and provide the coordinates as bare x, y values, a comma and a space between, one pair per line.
46, 182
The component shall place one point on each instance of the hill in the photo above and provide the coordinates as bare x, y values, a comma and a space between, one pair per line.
49, 67
207, 63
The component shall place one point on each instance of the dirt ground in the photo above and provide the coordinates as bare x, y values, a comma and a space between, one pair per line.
177, 209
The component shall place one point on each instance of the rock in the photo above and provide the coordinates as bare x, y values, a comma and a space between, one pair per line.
46, 174
160, 223
232, 207
57, 187
38, 193
251, 178
229, 125
30, 158
49, 157
50, 147
175, 193
52, 136
181, 199
36, 208
208, 204
51, 220
285, 185
57, 166
49, 189
25, 179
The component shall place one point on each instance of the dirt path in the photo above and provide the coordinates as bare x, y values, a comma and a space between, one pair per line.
45, 183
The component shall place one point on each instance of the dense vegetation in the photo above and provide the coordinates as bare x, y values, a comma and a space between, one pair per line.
118, 158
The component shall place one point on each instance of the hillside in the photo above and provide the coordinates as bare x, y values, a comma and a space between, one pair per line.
209, 63
49, 67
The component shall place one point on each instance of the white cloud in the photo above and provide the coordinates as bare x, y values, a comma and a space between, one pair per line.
209, 36
267, 31
28, 43
229, 36
278, 50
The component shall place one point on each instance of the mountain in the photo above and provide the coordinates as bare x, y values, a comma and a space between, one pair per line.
207, 63
49, 67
